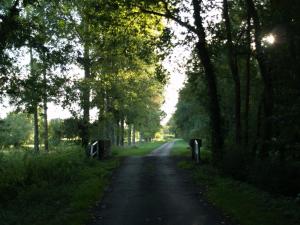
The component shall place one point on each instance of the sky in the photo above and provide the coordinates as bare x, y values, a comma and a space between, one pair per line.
176, 82
175, 65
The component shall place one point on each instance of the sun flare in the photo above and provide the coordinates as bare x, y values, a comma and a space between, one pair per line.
270, 39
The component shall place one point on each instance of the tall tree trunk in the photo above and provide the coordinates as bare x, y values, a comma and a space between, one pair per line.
141, 137
36, 129
248, 74
129, 134
112, 134
258, 139
45, 114
133, 134
86, 96
118, 133
214, 107
122, 131
267, 80
235, 72
104, 113
110, 122
35, 111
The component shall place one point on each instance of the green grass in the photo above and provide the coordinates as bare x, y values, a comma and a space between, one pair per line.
58, 188
181, 148
244, 203
51, 189
138, 150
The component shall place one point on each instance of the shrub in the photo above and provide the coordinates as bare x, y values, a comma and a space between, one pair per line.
15, 129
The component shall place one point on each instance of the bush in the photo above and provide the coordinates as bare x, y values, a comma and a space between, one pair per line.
64, 183
235, 164
55, 131
15, 130
276, 177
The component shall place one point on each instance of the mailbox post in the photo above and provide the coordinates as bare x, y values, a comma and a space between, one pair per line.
195, 145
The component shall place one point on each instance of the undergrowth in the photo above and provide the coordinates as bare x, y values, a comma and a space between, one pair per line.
245, 204
51, 189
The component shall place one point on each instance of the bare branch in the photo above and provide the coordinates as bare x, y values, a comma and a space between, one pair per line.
168, 15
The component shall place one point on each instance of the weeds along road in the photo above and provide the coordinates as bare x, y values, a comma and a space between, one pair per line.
150, 190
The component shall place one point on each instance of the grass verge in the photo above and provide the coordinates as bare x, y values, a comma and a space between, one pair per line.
137, 150
244, 203
57, 188
181, 148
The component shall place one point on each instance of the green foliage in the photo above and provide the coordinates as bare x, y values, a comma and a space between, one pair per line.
242, 202
63, 183
282, 180
15, 129
268, 138
71, 128
191, 116
56, 131
114, 45
181, 148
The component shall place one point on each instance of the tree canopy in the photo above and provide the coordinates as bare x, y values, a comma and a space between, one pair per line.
116, 49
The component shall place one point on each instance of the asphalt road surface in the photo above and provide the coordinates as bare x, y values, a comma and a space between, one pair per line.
151, 190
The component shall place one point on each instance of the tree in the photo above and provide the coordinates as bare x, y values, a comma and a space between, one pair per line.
56, 131
171, 10
267, 79
234, 70
15, 130
47, 54
71, 128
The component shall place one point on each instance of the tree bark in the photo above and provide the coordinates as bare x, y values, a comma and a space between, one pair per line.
122, 131
129, 134
45, 115
118, 133
86, 96
35, 112
214, 107
248, 74
235, 72
104, 113
112, 134
267, 80
258, 140
133, 134
141, 137
36, 129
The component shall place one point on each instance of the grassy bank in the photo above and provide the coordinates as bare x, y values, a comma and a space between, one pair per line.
137, 150
181, 148
57, 188
244, 203
53, 189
